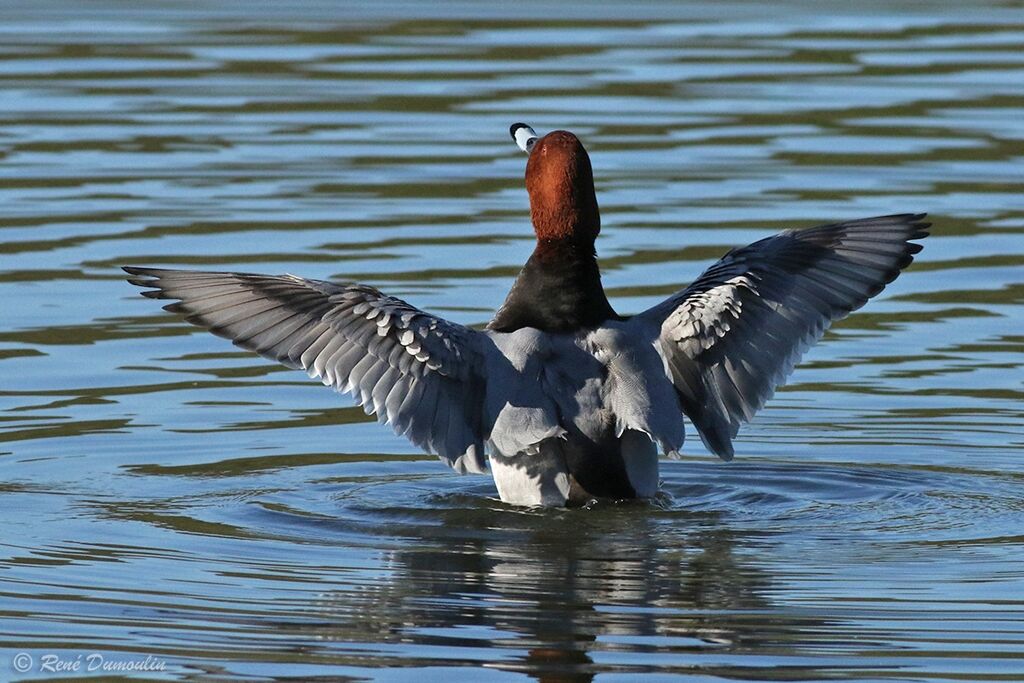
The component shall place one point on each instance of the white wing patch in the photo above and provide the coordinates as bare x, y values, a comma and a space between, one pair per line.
703, 319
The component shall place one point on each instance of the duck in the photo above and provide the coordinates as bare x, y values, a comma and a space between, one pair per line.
560, 398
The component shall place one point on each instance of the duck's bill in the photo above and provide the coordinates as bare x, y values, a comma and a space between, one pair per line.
524, 136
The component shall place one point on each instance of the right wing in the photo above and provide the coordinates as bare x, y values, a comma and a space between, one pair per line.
422, 374
734, 335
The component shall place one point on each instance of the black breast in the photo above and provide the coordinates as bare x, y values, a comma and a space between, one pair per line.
558, 290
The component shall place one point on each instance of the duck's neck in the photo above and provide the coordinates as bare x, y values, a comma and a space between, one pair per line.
558, 290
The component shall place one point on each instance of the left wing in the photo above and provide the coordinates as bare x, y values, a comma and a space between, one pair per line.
420, 373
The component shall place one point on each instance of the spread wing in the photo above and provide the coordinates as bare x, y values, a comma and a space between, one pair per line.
419, 373
734, 335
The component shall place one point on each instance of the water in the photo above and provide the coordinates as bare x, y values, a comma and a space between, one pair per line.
167, 495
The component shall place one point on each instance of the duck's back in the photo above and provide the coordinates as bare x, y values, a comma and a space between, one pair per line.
579, 414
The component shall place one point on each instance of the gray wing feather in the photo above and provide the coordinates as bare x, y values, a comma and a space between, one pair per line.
734, 335
419, 373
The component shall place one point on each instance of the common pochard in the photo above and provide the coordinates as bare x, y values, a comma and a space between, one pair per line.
563, 399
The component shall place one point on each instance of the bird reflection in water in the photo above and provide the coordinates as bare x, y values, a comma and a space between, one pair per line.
555, 591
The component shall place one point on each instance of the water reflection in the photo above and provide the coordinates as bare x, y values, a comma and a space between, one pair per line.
555, 594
